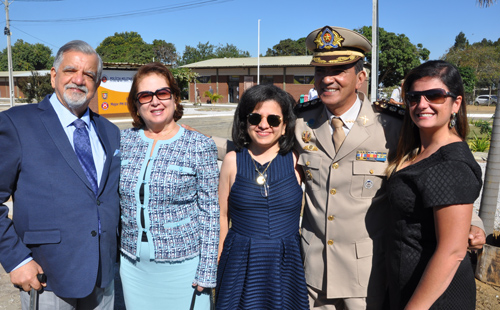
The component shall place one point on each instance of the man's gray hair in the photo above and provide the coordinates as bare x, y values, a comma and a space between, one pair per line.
79, 46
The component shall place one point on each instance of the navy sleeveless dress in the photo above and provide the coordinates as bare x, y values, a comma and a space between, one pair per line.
260, 266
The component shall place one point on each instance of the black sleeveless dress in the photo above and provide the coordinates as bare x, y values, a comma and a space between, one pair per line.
449, 176
260, 266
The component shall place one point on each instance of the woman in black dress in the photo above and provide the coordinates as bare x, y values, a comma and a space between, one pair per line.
433, 182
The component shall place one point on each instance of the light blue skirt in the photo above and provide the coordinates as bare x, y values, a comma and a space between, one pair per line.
159, 285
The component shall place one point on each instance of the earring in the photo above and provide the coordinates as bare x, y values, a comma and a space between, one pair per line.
453, 120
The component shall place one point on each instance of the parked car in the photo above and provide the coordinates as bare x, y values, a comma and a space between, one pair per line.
486, 100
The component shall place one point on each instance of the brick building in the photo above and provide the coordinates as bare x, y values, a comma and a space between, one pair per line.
230, 77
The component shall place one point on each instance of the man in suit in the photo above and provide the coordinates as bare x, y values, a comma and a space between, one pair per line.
344, 145
60, 164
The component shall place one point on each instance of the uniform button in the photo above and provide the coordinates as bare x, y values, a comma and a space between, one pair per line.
333, 191
371, 171
331, 218
335, 166
98, 202
93, 233
330, 242
308, 163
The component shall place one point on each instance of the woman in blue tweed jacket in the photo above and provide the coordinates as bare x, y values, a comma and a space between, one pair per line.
168, 199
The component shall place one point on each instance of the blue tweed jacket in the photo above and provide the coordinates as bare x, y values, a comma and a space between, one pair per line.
180, 199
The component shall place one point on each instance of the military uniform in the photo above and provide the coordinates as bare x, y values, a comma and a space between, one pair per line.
346, 212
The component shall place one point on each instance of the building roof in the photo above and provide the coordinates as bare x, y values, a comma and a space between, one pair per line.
269, 61
23, 73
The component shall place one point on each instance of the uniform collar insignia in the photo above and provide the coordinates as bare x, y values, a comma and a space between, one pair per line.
306, 136
364, 118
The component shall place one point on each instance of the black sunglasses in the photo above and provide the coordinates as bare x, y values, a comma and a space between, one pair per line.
256, 118
144, 97
435, 95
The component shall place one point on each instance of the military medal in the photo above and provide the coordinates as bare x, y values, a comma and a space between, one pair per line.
371, 156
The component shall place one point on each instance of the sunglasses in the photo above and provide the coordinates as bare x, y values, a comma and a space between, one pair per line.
256, 118
435, 95
147, 96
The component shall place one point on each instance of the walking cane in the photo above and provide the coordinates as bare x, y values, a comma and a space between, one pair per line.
42, 278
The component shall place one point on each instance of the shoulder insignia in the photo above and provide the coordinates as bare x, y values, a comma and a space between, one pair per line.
384, 106
308, 105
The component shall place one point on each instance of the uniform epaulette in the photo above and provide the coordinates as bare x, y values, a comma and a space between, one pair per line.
384, 106
307, 105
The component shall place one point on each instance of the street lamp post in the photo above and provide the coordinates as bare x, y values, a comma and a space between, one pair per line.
9, 53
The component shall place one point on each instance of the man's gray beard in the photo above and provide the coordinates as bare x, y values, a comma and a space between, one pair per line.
75, 101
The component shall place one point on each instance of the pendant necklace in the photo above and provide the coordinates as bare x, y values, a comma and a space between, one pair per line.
261, 179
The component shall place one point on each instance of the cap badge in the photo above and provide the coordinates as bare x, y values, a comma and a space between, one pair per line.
328, 39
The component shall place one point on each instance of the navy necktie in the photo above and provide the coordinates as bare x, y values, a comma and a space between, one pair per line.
83, 151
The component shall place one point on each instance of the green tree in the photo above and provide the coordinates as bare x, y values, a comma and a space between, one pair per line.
183, 76
230, 51
486, 3
26, 57
213, 97
35, 87
165, 52
202, 51
289, 47
205, 51
461, 41
469, 78
397, 55
125, 47
482, 57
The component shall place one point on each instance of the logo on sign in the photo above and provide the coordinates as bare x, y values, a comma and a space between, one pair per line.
104, 106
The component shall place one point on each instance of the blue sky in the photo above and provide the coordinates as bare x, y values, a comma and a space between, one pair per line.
434, 23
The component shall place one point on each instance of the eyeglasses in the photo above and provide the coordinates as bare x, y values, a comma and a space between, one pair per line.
144, 97
435, 95
256, 118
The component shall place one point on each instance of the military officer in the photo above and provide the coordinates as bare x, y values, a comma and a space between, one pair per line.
344, 145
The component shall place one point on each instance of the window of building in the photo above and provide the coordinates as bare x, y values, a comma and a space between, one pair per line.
266, 79
303, 79
203, 79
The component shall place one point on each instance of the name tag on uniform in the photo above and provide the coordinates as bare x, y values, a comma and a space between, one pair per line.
371, 156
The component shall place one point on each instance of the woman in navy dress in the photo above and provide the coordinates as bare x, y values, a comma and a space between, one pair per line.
433, 183
260, 266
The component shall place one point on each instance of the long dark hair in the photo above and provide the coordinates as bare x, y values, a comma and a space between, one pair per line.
409, 139
249, 101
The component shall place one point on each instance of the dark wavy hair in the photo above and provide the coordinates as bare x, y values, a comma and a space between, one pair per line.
409, 139
249, 100
161, 70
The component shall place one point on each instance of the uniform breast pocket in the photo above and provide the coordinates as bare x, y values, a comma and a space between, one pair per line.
367, 178
311, 166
